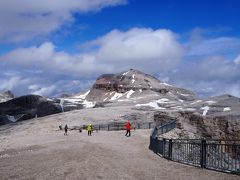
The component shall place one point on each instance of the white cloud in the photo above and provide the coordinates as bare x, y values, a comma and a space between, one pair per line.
25, 19
140, 45
209, 47
13, 82
45, 91
117, 50
237, 59
157, 52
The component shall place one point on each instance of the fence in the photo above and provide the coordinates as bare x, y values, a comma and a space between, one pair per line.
220, 155
115, 126
164, 128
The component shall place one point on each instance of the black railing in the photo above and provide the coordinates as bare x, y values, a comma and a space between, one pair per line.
220, 155
164, 128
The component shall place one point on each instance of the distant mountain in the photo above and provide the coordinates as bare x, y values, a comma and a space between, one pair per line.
5, 96
121, 85
26, 107
145, 97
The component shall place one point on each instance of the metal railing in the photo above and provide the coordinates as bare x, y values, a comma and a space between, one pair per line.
164, 128
220, 155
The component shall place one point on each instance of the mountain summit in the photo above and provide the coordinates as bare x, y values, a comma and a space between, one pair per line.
131, 80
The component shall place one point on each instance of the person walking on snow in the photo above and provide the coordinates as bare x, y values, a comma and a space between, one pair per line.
128, 127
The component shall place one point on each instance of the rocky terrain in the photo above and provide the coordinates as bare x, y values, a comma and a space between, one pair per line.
37, 149
138, 96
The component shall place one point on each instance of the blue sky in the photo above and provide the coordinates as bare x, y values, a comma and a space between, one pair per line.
60, 46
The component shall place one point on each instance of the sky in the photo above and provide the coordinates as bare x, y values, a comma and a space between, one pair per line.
62, 46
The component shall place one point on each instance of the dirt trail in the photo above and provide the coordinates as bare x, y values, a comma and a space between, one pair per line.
28, 153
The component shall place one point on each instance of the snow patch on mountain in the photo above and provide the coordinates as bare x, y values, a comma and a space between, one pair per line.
88, 104
133, 80
211, 102
124, 74
195, 102
61, 104
83, 96
163, 101
116, 96
227, 109
205, 110
129, 93
165, 84
152, 104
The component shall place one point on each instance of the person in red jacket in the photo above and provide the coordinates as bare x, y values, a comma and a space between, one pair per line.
128, 127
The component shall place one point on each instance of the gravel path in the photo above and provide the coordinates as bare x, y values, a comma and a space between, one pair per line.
30, 153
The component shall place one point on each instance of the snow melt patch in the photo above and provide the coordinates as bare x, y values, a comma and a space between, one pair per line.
198, 101
125, 73
83, 96
205, 110
61, 104
150, 104
133, 80
129, 93
116, 96
211, 102
166, 84
105, 99
88, 104
163, 101
227, 109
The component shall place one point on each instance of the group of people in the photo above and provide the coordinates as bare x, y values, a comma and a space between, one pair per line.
90, 129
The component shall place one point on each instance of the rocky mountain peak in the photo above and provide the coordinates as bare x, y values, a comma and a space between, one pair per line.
130, 81
124, 81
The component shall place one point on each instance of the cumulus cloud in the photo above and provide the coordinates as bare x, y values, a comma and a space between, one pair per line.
209, 47
237, 59
45, 90
46, 71
137, 45
117, 50
25, 19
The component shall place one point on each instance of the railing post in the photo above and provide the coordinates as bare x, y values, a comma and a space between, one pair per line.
170, 150
108, 127
203, 153
164, 142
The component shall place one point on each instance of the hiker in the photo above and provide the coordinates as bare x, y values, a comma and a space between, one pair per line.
80, 129
60, 126
89, 129
66, 129
128, 127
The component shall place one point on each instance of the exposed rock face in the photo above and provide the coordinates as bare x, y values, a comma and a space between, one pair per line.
28, 107
224, 126
132, 80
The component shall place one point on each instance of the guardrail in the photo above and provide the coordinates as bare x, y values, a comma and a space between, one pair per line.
220, 155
